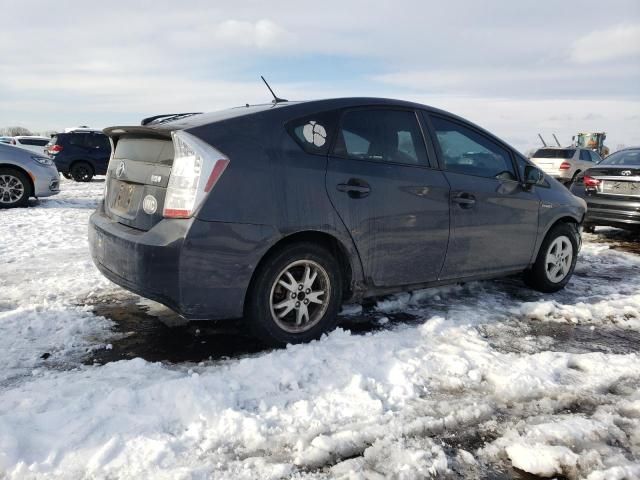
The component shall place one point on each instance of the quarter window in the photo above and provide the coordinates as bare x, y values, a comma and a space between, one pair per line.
381, 135
314, 133
595, 157
468, 152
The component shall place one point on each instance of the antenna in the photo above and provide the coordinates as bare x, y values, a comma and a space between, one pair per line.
556, 139
276, 99
542, 140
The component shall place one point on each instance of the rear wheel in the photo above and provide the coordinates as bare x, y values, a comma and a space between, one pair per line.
295, 296
589, 228
556, 260
81, 172
66, 175
15, 188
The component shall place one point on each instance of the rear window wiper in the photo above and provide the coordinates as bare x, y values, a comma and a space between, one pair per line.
167, 117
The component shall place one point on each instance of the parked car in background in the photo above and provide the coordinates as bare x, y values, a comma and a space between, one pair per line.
80, 154
25, 174
564, 163
6, 140
612, 191
280, 213
31, 142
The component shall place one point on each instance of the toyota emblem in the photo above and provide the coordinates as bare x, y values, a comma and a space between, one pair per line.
626, 172
120, 170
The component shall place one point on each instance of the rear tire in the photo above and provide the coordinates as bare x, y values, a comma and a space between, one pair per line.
295, 295
66, 175
589, 228
556, 260
81, 172
15, 188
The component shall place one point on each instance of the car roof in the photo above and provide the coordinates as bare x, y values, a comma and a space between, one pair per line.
299, 108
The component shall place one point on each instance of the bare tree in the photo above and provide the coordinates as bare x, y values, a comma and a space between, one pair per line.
14, 131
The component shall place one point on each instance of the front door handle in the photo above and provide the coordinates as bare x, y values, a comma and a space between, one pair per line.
355, 188
464, 199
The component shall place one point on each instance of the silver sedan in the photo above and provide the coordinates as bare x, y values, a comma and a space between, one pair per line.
25, 174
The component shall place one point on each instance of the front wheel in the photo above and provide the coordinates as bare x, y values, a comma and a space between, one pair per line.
556, 260
295, 296
15, 188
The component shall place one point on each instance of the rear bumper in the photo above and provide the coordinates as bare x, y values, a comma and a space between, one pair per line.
199, 269
607, 211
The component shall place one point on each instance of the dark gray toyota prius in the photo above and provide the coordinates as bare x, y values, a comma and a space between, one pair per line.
279, 213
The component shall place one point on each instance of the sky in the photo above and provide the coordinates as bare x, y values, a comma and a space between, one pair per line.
517, 68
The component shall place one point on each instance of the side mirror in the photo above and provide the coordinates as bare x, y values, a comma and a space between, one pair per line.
532, 176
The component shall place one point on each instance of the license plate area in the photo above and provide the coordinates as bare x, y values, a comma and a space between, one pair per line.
124, 199
623, 188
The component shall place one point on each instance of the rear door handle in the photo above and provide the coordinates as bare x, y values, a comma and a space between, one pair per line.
355, 188
465, 200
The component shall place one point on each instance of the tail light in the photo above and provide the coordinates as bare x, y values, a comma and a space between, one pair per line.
196, 169
565, 166
590, 181
55, 148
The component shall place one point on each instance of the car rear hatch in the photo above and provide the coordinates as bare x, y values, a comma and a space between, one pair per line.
139, 169
158, 172
550, 160
615, 182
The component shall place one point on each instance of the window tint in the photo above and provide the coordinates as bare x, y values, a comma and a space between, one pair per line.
623, 157
554, 153
98, 141
77, 139
381, 135
314, 133
466, 151
594, 156
584, 155
33, 141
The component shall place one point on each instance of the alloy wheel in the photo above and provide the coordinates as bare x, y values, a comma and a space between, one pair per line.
11, 189
558, 259
300, 296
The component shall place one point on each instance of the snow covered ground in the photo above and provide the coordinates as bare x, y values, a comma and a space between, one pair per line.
484, 380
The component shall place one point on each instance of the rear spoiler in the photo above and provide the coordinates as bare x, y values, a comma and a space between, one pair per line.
138, 131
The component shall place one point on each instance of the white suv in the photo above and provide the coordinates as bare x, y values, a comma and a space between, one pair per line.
565, 163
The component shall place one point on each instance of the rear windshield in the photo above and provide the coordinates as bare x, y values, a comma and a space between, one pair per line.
554, 153
150, 150
625, 157
40, 142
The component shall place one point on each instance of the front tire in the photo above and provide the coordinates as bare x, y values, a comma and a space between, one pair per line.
81, 172
295, 296
556, 260
15, 188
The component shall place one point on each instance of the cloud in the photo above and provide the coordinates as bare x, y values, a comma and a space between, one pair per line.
621, 41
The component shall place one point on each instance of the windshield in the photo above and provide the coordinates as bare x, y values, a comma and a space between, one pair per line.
624, 157
554, 153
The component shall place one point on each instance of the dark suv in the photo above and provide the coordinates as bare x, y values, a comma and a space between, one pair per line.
280, 213
80, 154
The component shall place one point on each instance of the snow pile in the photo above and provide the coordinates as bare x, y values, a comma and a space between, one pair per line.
425, 398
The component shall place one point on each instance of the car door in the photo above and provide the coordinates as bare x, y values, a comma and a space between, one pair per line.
494, 219
394, 204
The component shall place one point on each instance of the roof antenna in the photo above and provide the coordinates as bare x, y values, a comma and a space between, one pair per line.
276, 99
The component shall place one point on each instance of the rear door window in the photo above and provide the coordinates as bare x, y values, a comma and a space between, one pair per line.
595, 157
98, 141
381, 135
79, 139
314, 133
464, 150
584, 155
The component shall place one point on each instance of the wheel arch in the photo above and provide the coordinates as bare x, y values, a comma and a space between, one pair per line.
351, 271
564, 219
20, 169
